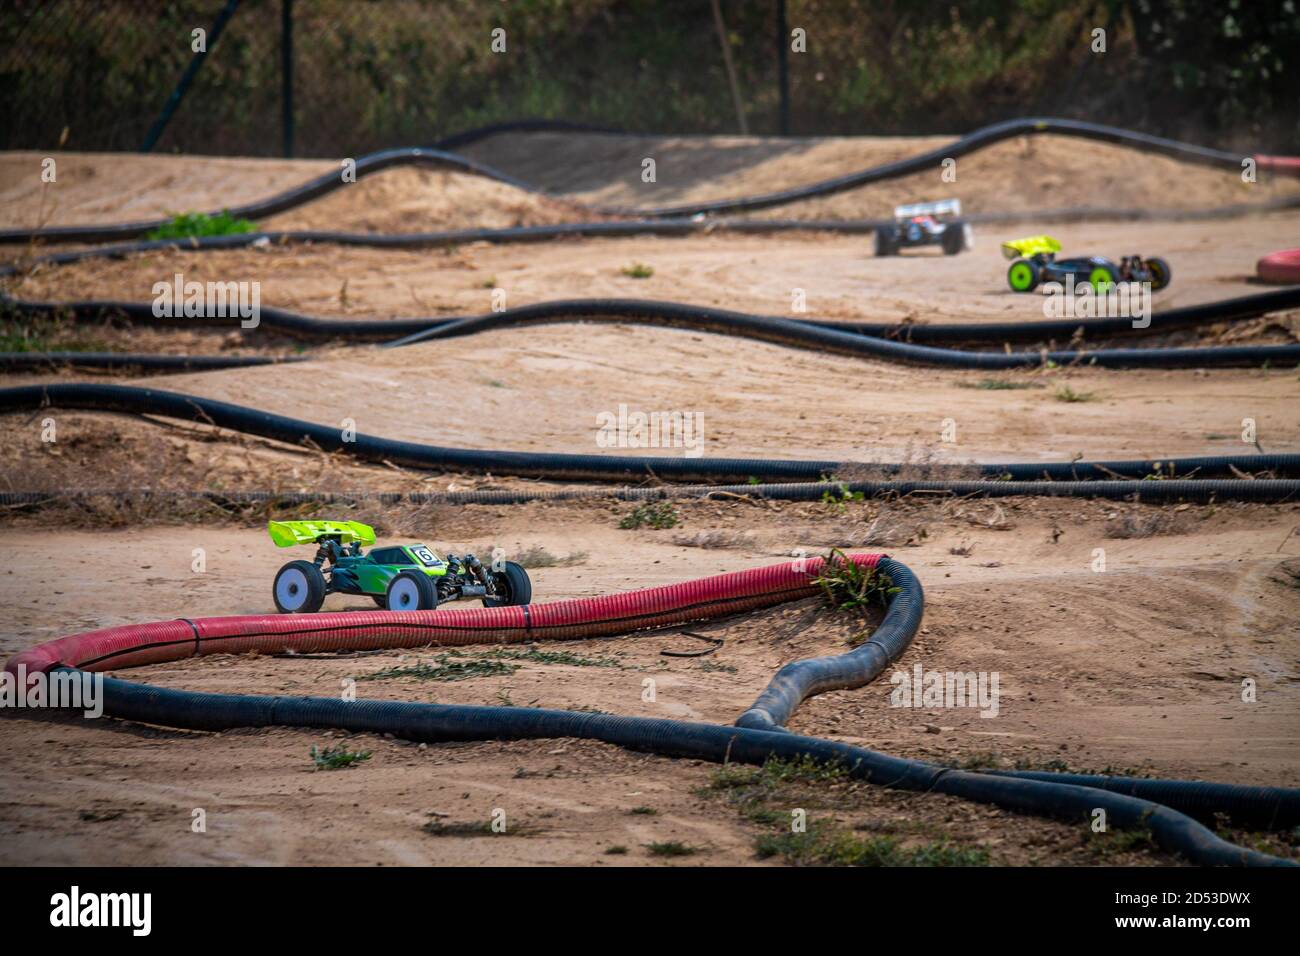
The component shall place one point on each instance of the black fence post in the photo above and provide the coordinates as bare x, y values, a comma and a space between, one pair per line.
196, 61
783, 65
286, 74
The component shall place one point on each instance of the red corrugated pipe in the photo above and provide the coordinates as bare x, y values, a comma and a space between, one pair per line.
1286, 165
1281, 267
133, 645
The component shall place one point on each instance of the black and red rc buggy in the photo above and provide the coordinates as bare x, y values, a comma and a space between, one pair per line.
926, 224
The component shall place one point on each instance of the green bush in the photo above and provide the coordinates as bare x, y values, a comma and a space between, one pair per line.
185, 225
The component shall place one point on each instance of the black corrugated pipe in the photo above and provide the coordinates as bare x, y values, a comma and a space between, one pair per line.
1074, 798
433, 723
677, 315
252, 421
440, 159
668, 227
796, 682
1166, 491
861, 340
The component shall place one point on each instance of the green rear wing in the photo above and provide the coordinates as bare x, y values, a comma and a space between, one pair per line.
1032, 246
288, 533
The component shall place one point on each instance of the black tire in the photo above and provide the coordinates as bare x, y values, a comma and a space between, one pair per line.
514, 582
299, 588
1034, 275
381, 600
1160, 274
953, 239
886, 243
1112, 273
411, 591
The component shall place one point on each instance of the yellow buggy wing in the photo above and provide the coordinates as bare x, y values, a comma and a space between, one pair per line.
1031, 246
288, 533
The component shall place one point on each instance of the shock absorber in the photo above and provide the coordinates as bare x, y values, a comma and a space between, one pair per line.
328, 551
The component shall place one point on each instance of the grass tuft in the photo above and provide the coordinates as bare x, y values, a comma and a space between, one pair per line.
477, 828
1115, 841
564, 658
20, 333
826, 845
446, 668
1144, 525
715, 539
998, 385
671, 848
658, 516
1064, 393
186, 225
851, 587
337, 757
538, 557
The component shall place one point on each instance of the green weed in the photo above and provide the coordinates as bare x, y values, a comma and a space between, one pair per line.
657, 516
186, 225
337, 757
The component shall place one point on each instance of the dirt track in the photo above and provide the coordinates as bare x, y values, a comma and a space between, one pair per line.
1139, 667
1042, 172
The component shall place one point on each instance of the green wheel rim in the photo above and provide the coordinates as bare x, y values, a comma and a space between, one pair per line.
1020, 276
1100, 279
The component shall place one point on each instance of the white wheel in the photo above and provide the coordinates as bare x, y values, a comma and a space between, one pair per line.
299, 588
967, 237
403, 595
291, 590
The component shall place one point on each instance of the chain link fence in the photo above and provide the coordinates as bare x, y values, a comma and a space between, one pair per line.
369, 74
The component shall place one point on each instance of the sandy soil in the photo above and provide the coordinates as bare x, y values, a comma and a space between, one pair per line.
122, 187
565, 374
397, 200
1137, 668
565, 378
1045, 172
839, 276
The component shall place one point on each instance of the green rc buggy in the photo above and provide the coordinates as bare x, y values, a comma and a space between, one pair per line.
404, 577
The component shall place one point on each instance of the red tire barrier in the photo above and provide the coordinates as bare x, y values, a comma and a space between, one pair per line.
134, 645
1286, 165
1281, 267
